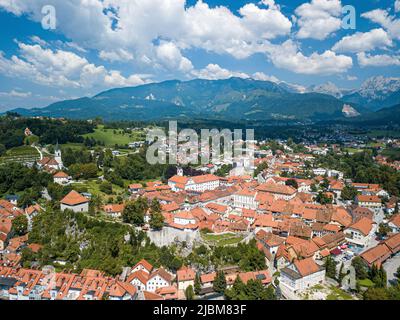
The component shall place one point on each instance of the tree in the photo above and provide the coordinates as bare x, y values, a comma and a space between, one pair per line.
156, 217
106, 187
260, 168
197, 284
398, 274
330, 266
323, 199
189, 293
383, 230
219, 284
292, 183
349, 193
20, 225
376, 294
156, 221
360, 268
134, 211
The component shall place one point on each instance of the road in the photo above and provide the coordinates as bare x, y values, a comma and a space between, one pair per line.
390, 267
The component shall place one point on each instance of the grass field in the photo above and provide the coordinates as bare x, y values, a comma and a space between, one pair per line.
367, 283
111, 137
338, 294
93, 187
222, 239
20, 154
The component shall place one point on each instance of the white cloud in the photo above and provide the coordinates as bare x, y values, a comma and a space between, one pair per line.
352, 78
318, 19
264, 77
134, 26
116, 55
60, 69
388, 22
288, 56
361, 42
381, 60
215, 72
170, 57
16, 94
397, 6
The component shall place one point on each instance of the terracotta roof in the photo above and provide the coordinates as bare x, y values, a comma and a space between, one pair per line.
393, 242
185, 274
74, 198
162, 273
374, 254
364, 225
306, 267
209, 277
152, 296
60, 175
145, 264
396, 220
204, 178
371, 199
276, 188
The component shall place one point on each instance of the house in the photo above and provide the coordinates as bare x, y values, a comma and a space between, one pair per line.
301, 275
360, 232
376, 255
61, 178
198, 183
394, 223
159, 278
114, 210
122, 291
143, 265
5, 232
185, 277
370, 202
245, 199
269, 241
184, 220
280, 192
139, 279
75, 201
135, 188
168, 293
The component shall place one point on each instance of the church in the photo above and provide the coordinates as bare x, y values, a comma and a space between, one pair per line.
52, 164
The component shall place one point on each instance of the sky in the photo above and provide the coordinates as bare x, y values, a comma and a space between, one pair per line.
53, 50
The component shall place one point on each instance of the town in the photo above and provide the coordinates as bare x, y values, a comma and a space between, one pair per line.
91, 220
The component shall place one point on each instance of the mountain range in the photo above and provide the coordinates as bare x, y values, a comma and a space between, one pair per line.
231, 99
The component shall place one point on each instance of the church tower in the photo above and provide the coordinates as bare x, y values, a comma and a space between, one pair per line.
58, 156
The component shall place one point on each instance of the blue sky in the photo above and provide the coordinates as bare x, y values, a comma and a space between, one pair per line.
101, 44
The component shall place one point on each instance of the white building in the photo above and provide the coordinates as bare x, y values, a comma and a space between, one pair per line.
75, 201
61, 178
158, 279
245, 199
302, 275
361, 232
199, 183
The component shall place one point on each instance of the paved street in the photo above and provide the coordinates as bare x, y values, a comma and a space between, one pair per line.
391, 267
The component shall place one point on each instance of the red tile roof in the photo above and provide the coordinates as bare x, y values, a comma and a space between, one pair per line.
74, 198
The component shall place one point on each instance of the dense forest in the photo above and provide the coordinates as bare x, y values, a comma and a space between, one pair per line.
361, 168
49, 131
84, 242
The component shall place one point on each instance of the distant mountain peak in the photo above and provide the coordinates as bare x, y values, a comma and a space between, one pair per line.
379, 87
328, 88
